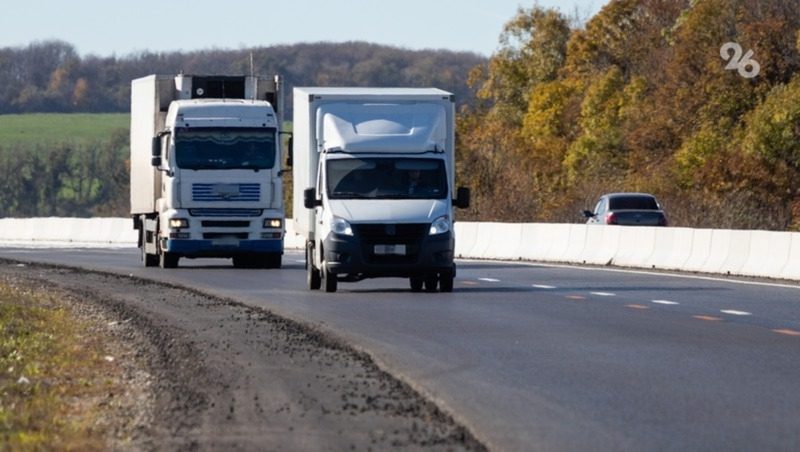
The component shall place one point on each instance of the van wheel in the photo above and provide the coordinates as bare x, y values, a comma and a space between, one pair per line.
416, 284
431, 282
329, 278
313, 277
446, 281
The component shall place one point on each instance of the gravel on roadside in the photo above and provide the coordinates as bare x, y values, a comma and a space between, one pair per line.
206, 373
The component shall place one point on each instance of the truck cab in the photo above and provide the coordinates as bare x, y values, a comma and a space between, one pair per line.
205, 171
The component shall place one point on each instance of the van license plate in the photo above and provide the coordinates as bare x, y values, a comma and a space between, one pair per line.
390, 249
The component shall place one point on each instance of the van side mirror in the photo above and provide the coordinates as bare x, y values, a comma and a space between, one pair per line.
156, 161
462, 198
290, 152
588, 214
310, 198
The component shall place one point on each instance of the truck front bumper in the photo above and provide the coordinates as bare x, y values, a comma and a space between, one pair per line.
221, 248
360, 258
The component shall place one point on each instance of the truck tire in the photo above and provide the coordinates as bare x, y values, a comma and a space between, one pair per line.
168, 260
149, 260
273, 260
329, 278
416, 284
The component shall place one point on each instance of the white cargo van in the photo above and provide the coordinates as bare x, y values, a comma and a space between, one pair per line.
374, 184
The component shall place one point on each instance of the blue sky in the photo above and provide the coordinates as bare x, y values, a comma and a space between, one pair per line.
107, 27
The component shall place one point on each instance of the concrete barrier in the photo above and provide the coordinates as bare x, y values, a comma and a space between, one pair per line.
747, 253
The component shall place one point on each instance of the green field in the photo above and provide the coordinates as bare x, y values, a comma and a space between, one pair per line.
41, 129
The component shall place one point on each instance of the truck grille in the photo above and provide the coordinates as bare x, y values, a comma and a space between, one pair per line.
225, 223
226, 192
225, 235
225, 212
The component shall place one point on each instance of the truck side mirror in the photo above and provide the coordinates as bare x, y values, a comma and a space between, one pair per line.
310, 198
462, 198
155, 151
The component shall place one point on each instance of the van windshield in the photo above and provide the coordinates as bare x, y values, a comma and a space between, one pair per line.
229, 148
386, 178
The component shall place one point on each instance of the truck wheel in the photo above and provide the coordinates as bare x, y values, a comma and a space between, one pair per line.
329, 279
431, 282
168, 260
149, 260
273, 260
446, 281
416, 284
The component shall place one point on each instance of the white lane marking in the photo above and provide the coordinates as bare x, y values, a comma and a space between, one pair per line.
667, 302
543, 286
300, 261
640, 272
733, 312
604, 294
488, 279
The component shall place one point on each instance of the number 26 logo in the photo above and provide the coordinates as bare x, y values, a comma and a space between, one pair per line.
745, 65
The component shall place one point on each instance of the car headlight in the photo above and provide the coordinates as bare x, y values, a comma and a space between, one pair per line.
440, 225
341, 226
272, 223
178, 223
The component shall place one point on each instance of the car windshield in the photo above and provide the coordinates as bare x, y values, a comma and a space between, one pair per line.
386, 178
230, 148
633, 203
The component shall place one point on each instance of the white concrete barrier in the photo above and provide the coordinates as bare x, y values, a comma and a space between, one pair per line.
747, 253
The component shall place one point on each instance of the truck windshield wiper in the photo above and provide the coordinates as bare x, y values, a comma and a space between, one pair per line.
350, 194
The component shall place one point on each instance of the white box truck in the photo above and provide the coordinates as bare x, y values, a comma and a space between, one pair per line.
374, 185
205, 172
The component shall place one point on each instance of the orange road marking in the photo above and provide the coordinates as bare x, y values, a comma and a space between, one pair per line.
787, 332
707, 318
636, 306
469, 283
575, 297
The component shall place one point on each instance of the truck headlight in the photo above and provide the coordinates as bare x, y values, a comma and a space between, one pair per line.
440, 225
341, 226
274, 223
178, 223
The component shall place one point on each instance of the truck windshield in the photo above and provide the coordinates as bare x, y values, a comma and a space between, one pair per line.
230, 148
384, 178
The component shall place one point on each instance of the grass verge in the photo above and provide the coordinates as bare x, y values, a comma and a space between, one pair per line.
55, 378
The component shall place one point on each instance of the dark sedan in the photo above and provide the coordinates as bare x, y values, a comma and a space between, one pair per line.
627, 209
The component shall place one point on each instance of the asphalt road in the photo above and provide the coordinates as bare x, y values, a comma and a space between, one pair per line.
533, 357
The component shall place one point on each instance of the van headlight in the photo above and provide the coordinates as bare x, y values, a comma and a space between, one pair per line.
440, 225
341, 226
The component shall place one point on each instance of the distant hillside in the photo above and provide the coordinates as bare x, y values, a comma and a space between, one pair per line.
50, 76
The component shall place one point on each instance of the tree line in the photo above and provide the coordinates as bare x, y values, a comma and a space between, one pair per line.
50, 76
647, 95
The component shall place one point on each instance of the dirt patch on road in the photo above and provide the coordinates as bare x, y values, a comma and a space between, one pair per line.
207, 373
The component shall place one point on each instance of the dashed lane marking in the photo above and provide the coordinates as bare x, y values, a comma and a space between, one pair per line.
469, 283
575, 297
489, 279
666, 302
544, 286
787, 332
636, 306
707, 318
733, 312
604, 294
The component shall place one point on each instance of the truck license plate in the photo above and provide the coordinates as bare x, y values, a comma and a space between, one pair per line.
390, 249
225, 241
